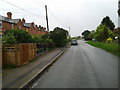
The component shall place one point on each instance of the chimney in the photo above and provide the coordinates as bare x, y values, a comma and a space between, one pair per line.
9, 15
32, 23
23, 20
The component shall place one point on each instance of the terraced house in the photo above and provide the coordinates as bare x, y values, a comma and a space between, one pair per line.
9, 23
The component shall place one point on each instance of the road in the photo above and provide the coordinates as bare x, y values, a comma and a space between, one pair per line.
82, 66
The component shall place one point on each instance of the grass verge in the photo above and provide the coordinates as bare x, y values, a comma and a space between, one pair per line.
110, 47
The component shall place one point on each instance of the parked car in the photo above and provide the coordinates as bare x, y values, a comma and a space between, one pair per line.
74, 42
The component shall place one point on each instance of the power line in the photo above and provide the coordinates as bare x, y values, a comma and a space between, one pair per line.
22, 8
52, 14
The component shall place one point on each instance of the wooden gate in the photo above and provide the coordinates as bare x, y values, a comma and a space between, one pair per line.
25, 53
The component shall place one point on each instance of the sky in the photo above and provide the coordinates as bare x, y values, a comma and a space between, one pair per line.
79, 15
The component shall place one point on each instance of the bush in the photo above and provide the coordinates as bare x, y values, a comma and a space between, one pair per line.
36, 39
59, 36
20, 36
110, 47
50, 43
8, 39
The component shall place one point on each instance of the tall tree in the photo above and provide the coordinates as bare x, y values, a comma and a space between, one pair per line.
59, 36
119, 8
86, 33
106, 21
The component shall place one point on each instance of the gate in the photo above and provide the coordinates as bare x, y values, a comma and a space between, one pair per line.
25, 53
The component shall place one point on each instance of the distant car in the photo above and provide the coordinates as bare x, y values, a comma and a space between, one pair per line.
74, 42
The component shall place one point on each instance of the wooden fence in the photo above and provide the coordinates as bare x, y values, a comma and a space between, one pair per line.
18, 54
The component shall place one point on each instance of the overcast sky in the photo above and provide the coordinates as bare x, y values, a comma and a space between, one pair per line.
79, 15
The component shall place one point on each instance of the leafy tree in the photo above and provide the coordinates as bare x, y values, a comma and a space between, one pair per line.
85, 34
119, 8
103, 32
44, 37
50, 43
36, 39
92, 34
106, 21
9, 39
21, 36
59, 36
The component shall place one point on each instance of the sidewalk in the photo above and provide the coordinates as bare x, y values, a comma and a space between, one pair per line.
17, 77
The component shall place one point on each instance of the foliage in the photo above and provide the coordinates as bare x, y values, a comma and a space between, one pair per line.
50, 43
109, 40
44, 37
102, 33
119, 8
119, 12
106, 21
21, 36
36, 39
92, 34
59, 36
8, 39
85, 34
110, 47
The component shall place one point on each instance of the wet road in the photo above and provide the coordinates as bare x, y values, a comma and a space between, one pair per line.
82, 66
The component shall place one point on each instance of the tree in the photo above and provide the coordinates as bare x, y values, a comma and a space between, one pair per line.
36, 39
59, 36
118, 8
44, 37
102, 33
85, 34
21, 36
92, 34
106, 21
9, 39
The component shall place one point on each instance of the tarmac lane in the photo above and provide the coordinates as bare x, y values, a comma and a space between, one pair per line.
82, 66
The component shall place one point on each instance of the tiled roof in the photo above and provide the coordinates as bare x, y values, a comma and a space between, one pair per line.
9, 20
27, 24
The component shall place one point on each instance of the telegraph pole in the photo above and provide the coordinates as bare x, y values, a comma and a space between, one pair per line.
47, 18
69, 33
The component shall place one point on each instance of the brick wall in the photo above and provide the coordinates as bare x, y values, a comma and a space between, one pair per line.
6, 26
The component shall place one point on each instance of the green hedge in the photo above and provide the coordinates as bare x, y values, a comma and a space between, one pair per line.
110, 47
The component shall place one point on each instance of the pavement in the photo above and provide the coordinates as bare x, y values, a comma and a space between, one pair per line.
19, 77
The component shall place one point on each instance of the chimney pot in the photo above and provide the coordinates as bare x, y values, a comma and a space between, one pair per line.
9, 15
23, 20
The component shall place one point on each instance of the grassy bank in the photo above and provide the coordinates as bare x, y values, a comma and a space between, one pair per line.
110, 47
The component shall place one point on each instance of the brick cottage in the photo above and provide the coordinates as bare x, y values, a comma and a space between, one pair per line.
9, 23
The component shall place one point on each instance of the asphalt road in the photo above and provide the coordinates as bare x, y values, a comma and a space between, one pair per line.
82, 66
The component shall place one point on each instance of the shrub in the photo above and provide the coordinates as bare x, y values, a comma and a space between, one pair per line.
8, 39
36, 39
21, 36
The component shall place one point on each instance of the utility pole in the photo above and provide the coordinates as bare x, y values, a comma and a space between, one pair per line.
69, 33
47, 18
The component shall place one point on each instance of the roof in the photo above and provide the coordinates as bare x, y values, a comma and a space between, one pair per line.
2, 18
27, 24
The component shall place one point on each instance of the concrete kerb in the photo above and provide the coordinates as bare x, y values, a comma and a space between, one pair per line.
32, 80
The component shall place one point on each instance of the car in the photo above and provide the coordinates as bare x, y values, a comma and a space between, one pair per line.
74, 42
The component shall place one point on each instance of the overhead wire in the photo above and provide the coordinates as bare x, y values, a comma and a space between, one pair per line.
22, 8
25, 11
51, 14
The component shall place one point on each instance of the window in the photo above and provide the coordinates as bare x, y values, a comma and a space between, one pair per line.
0, 25
19, 27
27, 29
12, 26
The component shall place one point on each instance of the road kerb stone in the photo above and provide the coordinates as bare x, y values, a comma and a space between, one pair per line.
28, 83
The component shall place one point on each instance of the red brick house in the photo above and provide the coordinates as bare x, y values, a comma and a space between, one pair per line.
9, 23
